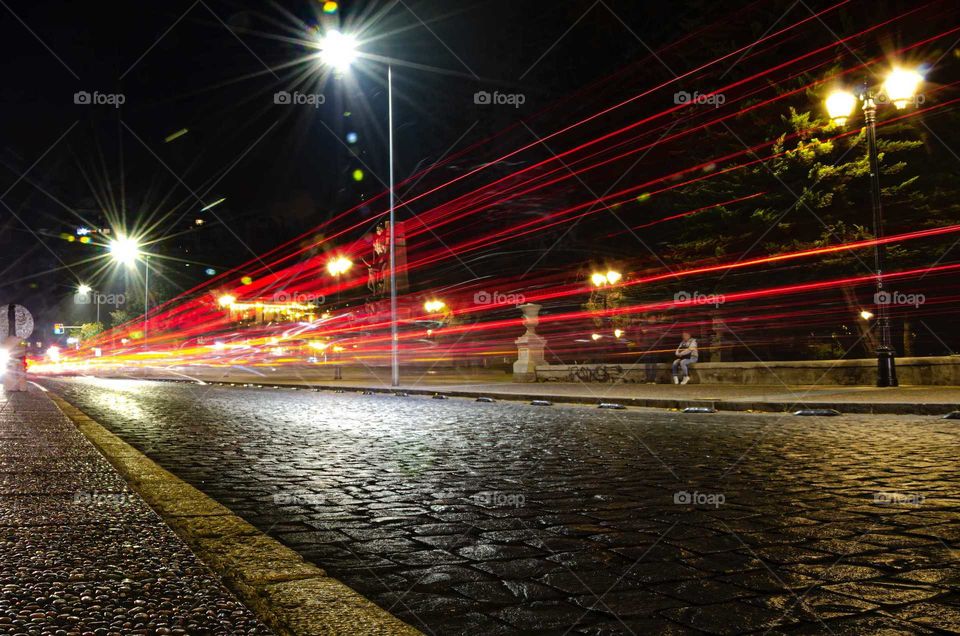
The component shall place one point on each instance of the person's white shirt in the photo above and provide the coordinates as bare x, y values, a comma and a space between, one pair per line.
688, 349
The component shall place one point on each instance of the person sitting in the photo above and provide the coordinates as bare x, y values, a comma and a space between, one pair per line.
686, 355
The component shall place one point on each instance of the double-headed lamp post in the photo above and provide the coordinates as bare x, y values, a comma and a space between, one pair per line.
338, 51
899, 88
605, 279
125, 250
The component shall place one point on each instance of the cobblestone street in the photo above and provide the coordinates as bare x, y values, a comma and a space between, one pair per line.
476, 518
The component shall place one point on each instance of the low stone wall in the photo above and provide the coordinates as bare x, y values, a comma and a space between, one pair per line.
933, 371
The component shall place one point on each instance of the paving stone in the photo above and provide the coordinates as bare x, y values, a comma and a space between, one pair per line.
886, 593
733, 617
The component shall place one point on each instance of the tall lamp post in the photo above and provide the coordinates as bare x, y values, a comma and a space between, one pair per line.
899, 88
126, 251
339, 51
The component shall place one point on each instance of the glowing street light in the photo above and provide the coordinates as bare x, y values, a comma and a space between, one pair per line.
866, 315
595, 336
338, 50
840, 104
617, 333
599, 279
125, 250
899, 87
227, 300
85, 290
339, 265
434, 306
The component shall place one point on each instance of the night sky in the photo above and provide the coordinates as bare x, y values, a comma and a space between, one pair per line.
212, 68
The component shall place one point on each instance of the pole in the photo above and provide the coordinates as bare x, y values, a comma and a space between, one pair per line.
394, 343
146, 295
96, 299
886, 355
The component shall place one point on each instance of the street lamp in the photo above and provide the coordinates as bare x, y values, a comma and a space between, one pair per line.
337, 267
599, 279
339, 51
84, 290
899, 88
125, 250
434, 306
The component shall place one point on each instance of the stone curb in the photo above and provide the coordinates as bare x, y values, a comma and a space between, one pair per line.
292, 596
863, 408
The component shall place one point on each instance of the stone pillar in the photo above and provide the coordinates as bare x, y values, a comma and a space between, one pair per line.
716, 342
529, 346
15, 374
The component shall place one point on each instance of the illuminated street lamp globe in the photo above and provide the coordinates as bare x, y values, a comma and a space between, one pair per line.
124, 250
599, 279
434, 306
901, 86
840, 105
338, 50
339, 265
84, 289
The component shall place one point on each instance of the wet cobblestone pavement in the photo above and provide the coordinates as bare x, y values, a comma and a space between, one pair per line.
80, 553
472, 518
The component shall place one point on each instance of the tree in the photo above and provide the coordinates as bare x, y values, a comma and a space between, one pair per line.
89, 330
119, 317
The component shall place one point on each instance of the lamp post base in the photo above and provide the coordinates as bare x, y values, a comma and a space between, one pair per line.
886, 367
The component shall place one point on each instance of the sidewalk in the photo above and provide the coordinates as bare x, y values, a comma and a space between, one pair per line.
81, 553
921, 400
